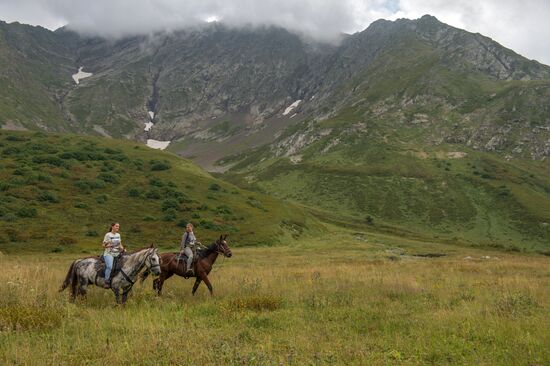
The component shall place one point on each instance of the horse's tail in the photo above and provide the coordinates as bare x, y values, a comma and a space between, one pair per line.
70, 278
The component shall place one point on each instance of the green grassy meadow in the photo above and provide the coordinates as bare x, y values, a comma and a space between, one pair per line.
370, 301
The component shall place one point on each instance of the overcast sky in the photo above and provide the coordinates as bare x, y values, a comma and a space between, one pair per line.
523, 26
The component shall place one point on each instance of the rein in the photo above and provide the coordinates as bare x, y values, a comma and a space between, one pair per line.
134, 272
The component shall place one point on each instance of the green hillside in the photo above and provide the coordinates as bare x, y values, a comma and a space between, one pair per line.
441, 193
60, 192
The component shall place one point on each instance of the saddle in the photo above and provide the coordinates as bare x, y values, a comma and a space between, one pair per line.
100, 266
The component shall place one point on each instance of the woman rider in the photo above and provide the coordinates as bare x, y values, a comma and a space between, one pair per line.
113, 247
188, 247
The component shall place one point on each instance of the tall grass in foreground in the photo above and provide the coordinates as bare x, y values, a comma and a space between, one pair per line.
275, 306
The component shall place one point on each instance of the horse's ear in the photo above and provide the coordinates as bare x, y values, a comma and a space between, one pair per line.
225, 237
221, 237
152, 245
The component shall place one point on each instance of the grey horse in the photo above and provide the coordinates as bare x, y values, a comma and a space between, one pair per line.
84, 272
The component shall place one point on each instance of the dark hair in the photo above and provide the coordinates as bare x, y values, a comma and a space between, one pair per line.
112, 224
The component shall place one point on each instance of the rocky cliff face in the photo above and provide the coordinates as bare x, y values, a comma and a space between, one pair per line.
201, 87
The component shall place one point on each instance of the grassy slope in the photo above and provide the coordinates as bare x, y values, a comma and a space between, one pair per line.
371, 302
480, 199
60, 192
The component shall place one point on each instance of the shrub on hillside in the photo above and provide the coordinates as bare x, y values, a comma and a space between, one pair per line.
9, 217
170, 215
50, 159
209, 225
46, 196
170, 204
156, 182
80, 205
214, 187
108, 178
4, 186
16, 138
27, 212
157, 165
102, 198
134, 192
153, 194
182, 223
86, 185
224, 210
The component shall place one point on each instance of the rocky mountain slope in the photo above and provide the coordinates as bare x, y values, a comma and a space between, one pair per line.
211, 85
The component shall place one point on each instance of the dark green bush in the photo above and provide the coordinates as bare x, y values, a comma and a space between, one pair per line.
87, 185
46, 196
4, 186
214, 187
12, 150
223, 210
170, 204
182, 223
156, 182
92, 233
9, 217
49, 159
157, 165
80, 205
16, 138
108, 177
207, 224
170, 215
27, 212
102, 198
153, 194
134, 192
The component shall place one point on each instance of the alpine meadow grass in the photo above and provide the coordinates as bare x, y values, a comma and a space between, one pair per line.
370, 302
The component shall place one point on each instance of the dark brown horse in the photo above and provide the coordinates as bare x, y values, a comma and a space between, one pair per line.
169, 265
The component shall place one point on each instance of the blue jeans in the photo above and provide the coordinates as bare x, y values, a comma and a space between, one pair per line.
108, 265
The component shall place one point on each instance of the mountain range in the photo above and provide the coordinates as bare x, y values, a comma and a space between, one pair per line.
412, 126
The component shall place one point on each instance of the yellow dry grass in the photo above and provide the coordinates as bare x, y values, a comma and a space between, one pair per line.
309, 304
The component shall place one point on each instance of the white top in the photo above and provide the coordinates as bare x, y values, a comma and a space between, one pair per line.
114, 240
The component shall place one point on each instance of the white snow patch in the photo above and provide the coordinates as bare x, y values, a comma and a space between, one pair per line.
291, 107
81, 75
294, 115
313, 97
151, 115
148, 126
155, 144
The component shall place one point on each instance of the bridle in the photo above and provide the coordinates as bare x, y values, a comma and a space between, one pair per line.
143, 263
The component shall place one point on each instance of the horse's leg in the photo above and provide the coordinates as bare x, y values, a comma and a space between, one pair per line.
196, 285
204, 277
83, 284
125, 295
163, 277
117, 294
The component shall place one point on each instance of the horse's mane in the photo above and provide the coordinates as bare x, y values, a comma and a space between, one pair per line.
138, 250
206, 251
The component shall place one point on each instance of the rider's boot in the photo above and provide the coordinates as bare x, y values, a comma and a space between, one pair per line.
189, 266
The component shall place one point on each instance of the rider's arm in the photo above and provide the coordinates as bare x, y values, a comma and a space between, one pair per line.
106, 241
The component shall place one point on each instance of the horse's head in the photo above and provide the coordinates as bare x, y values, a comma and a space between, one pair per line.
153, 261
222, 247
